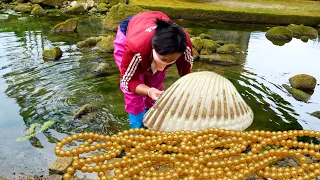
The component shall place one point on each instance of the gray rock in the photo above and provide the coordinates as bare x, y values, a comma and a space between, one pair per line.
38, 11
102, 69
69, 25
52, 54
85, 109
224, 59
60, 165
77, 9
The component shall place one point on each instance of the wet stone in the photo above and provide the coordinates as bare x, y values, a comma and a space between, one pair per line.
60, 165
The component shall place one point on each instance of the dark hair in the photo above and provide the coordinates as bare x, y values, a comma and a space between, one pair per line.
169, 38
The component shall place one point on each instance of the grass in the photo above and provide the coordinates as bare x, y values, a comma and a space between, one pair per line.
285, 7
246, 11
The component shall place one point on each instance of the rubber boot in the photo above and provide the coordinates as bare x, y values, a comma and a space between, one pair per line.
136, 119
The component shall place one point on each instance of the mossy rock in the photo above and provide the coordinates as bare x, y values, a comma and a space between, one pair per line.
220, 42
221, 59
38, 11
195, 54
205, 51
297, 93
106, 44
77, 9
103, 7
204, 36
119, 13
36, 1
228, 49
210, 45
316, 114
52, 54
53, 3
24, 8
197, 43
69, 25
84, 110
301, 30
92, 41
279, 33
304, 38
303, 82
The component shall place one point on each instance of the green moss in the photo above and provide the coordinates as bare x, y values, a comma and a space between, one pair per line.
228, 49
78, 9
92, 41
205, 52
304, 38
220, 42
103, 7
119, 13
221, 59
195, 54
316, 114
204, 36
24, 8
279, 33
209, 44
38, 11
106, 44
69, 25
303, 82
200, 11
301, 30
53, 3
52, 54
297, 94
197, 43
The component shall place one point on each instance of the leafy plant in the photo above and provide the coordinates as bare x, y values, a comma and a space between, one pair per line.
31, 131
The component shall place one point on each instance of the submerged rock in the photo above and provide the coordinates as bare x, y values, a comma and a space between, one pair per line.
303, 82
279, 33
60, 165
85, 109
38, 11
301, 30
52, 54
102, 69
69, 25
24, 8
297, 93
119, 13
228, 49
223, 59
316, 114
106, 44
220, 42
92, 41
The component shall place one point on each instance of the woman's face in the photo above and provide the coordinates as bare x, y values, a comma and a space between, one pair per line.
164, 60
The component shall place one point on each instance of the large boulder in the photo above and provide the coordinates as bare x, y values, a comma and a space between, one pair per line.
197, 43
279, 33
303, 82
38, 11
119, 13
106, 44
52, 54
297, 93
24, 8
69, 25
301, 30
228, 49
77, 9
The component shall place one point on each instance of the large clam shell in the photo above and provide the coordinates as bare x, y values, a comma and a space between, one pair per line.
198, 101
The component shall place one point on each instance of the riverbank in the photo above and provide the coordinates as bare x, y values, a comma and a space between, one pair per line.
281, 12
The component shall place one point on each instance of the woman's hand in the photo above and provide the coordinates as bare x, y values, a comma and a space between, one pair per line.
154, 93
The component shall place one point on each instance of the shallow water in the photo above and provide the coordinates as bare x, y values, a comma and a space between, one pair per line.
33, 90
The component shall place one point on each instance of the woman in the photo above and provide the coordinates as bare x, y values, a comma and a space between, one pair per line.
145, 46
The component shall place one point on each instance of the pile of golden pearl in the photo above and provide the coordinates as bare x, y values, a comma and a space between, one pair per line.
205, 154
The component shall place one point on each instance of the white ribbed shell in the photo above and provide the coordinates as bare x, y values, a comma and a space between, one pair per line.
198, 101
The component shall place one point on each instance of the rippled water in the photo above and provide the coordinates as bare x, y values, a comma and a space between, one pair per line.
33, 90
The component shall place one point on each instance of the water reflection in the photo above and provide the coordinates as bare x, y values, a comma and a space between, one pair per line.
33, 90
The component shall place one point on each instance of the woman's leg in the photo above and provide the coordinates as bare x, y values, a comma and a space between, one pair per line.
135, 104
